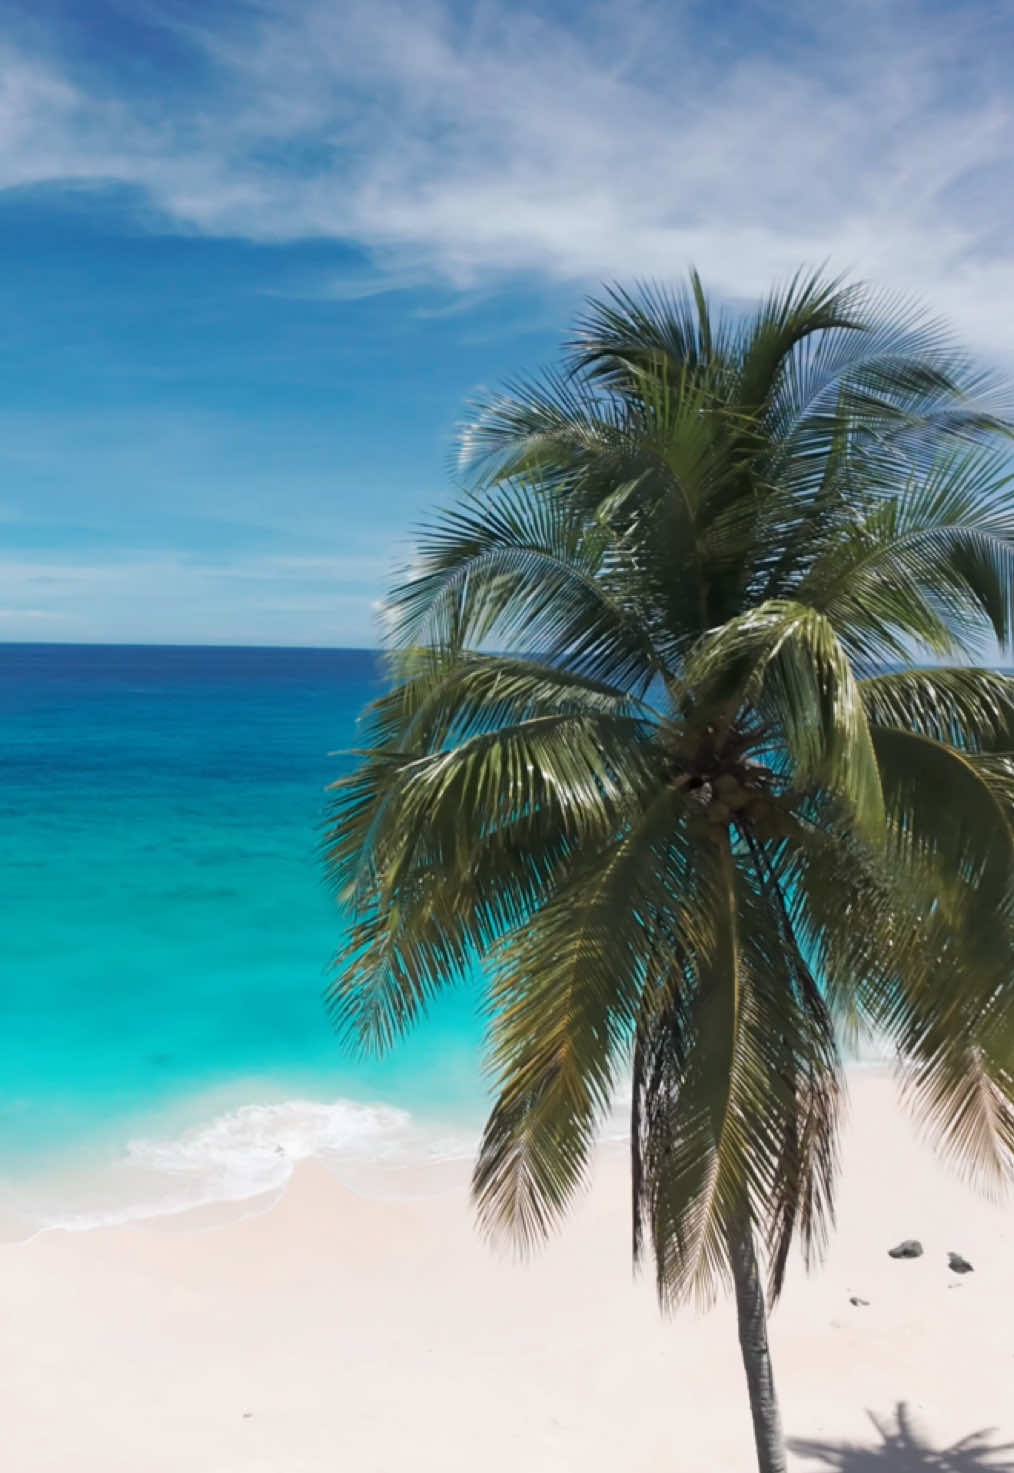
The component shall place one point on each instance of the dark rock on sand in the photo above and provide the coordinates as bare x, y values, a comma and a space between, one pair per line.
959, 1265
854, 1299
911, 1248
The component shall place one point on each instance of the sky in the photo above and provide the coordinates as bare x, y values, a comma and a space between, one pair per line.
256, 256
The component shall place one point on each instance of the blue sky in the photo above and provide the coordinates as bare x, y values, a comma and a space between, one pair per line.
256, 256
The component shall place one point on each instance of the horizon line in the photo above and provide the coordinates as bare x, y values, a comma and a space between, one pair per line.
133, 644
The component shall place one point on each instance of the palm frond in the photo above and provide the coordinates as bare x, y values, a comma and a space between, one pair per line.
964, 1097
809, 307
785, 660
951, 808
539, 429
933, 566
736, 1099
803, 1071
526, 573
563, 1002
926, 976
962, 706
624, 337
439, 697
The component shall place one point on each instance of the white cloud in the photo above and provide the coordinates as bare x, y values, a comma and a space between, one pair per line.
153, 597
463, 150
30, 615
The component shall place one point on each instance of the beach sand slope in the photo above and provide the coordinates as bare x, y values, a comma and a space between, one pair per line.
342, 1331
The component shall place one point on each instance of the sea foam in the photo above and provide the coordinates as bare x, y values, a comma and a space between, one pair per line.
240, 1155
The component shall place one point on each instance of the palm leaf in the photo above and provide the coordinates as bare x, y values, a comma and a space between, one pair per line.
520, 570
563, 1003
785, 660
963, 707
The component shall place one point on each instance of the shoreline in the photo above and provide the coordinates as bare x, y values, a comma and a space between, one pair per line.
231, 1158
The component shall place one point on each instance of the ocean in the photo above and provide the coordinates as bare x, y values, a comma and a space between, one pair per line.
167, 931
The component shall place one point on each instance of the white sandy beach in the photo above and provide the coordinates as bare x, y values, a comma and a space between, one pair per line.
338, 1331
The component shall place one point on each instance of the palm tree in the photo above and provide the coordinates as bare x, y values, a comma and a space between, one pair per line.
713, 814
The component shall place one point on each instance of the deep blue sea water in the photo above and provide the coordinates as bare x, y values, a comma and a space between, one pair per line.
166, 928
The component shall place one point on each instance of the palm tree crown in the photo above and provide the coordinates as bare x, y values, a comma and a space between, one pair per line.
714, 812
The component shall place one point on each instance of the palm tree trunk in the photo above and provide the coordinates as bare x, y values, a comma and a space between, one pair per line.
753, 1342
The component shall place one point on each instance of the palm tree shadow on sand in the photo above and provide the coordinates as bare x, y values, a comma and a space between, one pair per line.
902, 1450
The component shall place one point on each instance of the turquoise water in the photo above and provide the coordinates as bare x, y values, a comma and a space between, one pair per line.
166, 928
